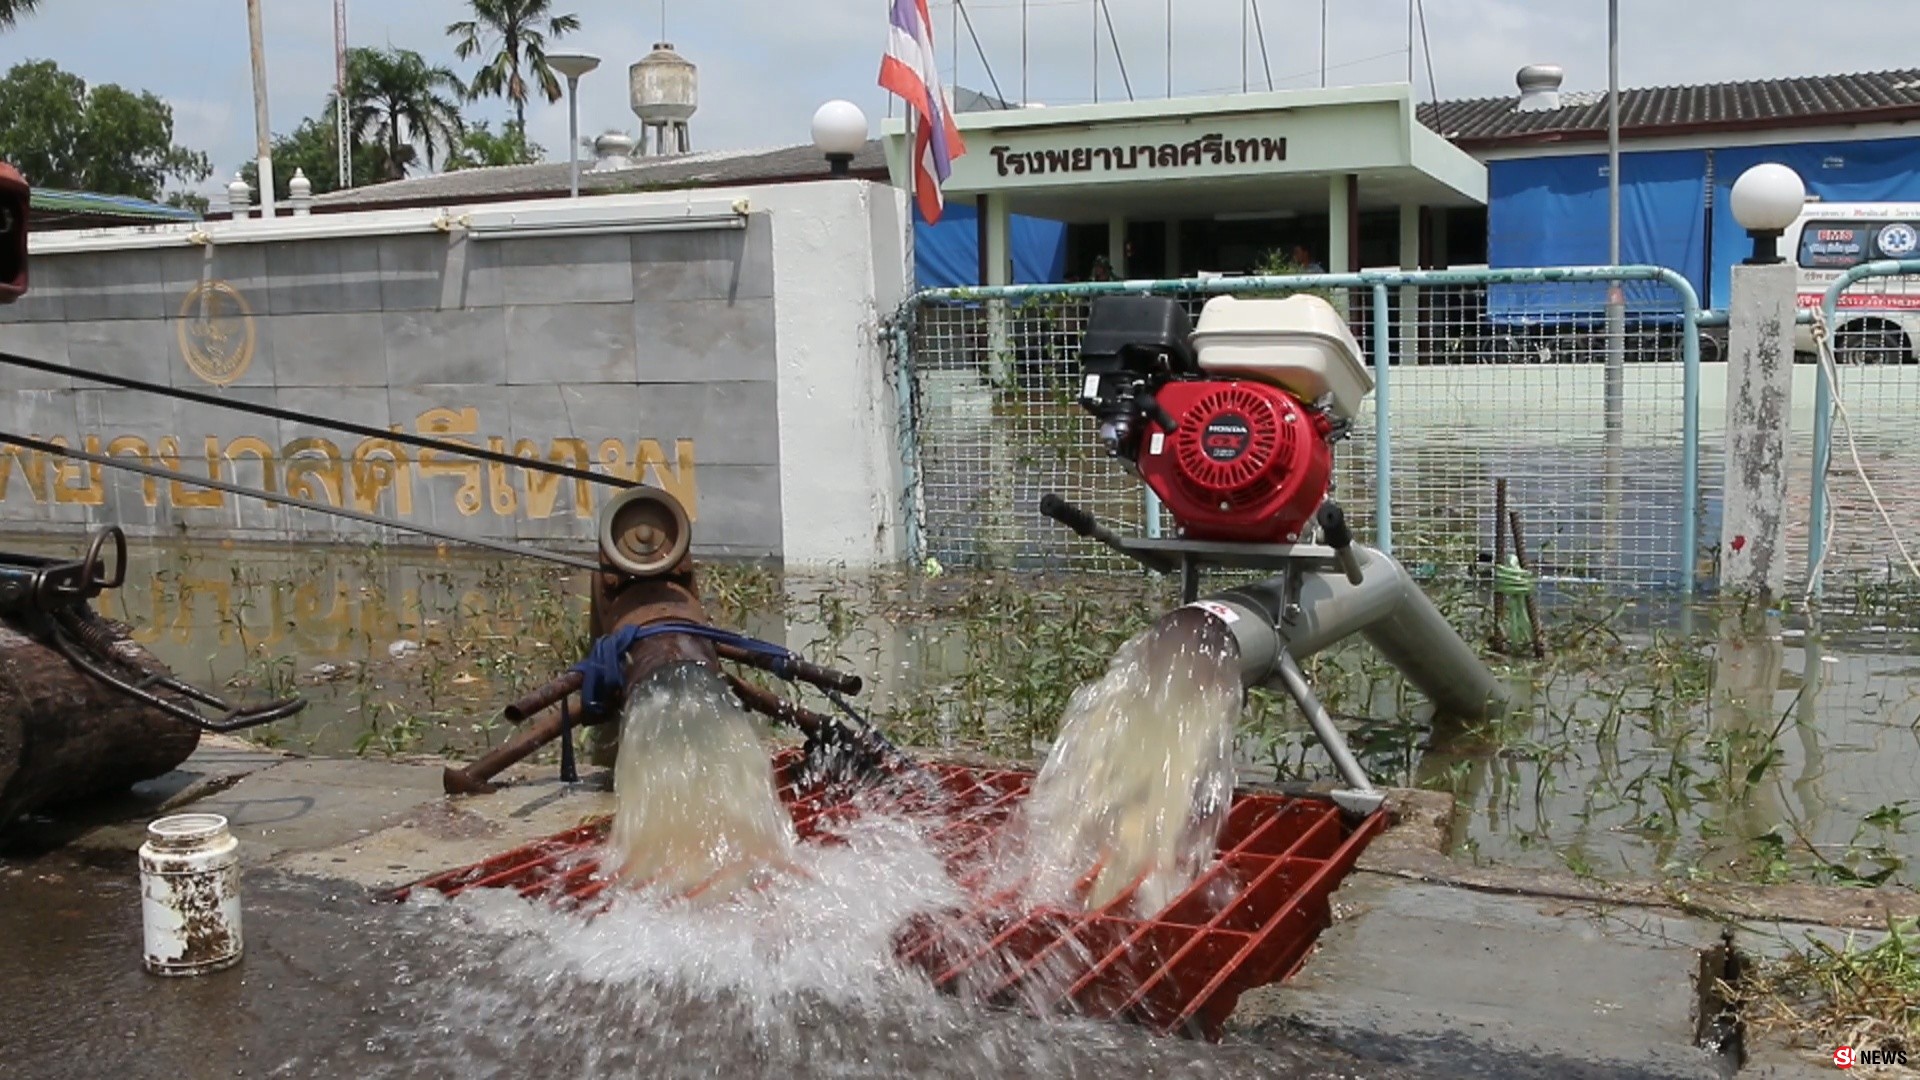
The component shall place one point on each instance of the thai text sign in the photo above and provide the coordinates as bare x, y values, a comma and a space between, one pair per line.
379, 476
1208, 150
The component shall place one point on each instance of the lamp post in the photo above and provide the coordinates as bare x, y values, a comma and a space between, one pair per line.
839, 131
1765, 199
573, 65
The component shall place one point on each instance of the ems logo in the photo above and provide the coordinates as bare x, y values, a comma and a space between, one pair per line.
1899, 240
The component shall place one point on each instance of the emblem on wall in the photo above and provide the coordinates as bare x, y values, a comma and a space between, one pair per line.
216, 331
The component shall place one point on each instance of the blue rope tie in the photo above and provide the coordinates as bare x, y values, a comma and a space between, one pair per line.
603, 675
603, 672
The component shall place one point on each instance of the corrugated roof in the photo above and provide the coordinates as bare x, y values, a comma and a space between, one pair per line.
1795, 102
713, 168
60, 201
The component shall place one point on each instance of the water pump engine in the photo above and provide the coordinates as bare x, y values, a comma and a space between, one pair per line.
1231, 424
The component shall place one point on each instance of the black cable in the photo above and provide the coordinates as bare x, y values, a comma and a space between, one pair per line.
997, 94
278, 413
1119, 57
1433, 89
144, 469
1261, 33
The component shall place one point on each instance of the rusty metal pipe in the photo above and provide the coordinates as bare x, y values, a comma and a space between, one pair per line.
825, 678
476, 778
544, 698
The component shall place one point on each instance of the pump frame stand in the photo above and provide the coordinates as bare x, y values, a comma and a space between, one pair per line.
1189, 558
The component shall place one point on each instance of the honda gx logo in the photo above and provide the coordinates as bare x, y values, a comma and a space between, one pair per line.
1846, 1057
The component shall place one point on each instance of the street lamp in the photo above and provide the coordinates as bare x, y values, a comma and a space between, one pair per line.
573, 65
840, 131
1766, 199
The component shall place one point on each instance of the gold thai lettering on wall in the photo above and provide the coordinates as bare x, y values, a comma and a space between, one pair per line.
216, 332
379, 476
1212, 149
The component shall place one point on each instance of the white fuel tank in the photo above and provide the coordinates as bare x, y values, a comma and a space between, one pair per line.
1300, 344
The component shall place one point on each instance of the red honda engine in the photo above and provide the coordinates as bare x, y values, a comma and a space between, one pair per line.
1246, 462
1232, 424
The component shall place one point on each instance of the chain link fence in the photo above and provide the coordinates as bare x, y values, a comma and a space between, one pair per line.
1490, 375
1863, 458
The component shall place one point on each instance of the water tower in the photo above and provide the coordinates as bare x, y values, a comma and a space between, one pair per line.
664, 89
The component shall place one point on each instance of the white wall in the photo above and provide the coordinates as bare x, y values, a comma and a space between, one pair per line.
842, 261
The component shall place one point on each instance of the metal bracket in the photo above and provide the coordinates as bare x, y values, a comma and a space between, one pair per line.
1361, 789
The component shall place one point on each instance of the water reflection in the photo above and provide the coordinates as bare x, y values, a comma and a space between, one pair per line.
1781, 748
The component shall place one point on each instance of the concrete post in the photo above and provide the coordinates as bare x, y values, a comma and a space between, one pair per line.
1409, 294
1117, 245
1339, 210
1003, 519
1753, 558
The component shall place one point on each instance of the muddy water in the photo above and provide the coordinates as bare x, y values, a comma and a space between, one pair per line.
333, 985
698, 813
1137, 785
1765, 755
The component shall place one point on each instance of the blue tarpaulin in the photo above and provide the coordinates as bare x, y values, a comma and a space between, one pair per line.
1552, 211
947, 255
1873, 170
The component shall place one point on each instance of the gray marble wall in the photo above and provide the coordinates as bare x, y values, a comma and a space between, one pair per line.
647, 350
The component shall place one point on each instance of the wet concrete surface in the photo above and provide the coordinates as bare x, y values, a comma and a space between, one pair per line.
335, 985
1414, 980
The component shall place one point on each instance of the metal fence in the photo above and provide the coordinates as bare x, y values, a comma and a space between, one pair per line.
1479, 376
1863, 474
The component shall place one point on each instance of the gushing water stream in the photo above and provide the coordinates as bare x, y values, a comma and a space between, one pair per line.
698, 813
1139, 781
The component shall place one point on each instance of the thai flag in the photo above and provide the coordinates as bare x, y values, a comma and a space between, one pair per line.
908, 71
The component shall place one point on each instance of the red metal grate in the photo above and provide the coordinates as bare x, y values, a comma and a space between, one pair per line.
1248, 921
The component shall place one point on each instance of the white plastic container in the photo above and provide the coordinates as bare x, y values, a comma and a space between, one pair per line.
1299, 343
190, 895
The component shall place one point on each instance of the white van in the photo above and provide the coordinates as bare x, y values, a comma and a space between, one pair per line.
1878, 320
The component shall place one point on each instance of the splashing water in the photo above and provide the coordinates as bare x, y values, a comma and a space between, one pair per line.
698, 813
1138, 784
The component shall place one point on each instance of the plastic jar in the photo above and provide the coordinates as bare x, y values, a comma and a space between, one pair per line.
190, 895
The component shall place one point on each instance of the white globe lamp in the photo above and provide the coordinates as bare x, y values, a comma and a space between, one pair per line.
839, 131
1766, 199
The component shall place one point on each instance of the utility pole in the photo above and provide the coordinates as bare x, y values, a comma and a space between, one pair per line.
1616, 296
263, 135
341, 121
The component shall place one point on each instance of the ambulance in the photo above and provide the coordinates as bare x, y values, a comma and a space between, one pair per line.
1878, 318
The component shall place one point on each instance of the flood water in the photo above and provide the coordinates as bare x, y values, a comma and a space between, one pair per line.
335, 986
1781, 751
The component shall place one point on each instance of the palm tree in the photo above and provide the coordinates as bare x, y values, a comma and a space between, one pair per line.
401, 105
517, 24
11, 10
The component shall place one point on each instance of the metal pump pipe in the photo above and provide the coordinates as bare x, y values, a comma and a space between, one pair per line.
1386, 607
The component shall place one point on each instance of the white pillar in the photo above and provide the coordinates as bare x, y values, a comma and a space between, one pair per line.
1117, 245
999, 253
1339, 215
1409, 343
1753, 544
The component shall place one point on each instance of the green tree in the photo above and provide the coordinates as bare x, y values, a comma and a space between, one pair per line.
480, 147
396, 101
313, 148
516, 25
11, 10
61, 133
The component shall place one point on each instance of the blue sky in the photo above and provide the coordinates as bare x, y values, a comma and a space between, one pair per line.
766, 64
